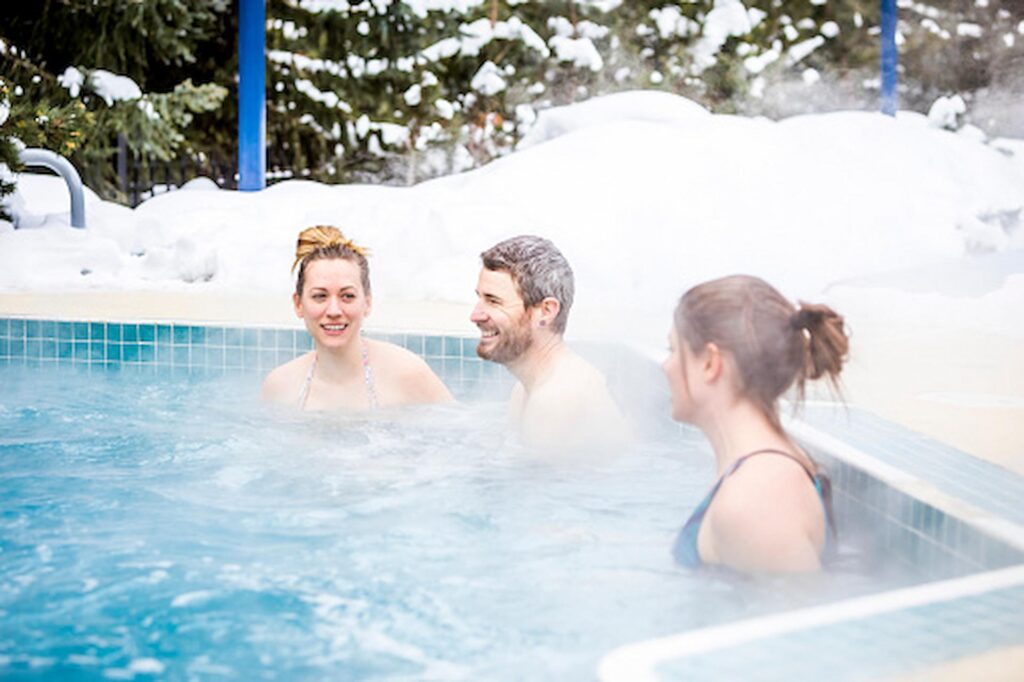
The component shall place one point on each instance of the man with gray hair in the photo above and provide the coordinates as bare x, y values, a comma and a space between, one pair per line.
524, 294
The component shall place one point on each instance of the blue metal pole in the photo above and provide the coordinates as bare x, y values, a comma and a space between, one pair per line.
252, 95
890, 58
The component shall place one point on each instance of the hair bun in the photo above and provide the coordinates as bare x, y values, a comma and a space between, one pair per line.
320, 237
828, 343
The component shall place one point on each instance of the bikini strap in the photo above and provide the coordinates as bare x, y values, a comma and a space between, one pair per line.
772, 451
371, 391
304, 391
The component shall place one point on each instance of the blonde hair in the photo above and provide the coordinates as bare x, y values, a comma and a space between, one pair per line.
326, 242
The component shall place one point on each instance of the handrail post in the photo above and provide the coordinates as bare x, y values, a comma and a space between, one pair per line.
252, 95
890, 58
62, 167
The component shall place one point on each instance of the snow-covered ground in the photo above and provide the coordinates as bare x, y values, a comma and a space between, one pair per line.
645, 192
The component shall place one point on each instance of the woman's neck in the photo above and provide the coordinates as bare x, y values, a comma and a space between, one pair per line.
738, 429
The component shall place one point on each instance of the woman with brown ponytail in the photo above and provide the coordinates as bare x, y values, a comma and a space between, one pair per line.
344, 370
736, 346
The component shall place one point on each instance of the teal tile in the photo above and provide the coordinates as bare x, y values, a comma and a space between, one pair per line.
81, 351
130, 333
181, 335
267, 338
164, 354
49, 329
147, 333
267, 359
97, 331
5, 328
33, 348
33, 329
250, 358
130, 352
232, 337
215, 356
250, 338
469, 347
16, 349
285, 338
65, 331
433, 346
113, 351
215, 336
452, 347
415, 343
114, 332
49, 349
80, 331
17, 330
181, 357
5, 347
97, 351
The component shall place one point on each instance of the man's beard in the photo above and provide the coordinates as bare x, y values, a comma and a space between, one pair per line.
512, 343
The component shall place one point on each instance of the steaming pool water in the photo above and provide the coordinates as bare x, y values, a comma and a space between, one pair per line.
169, 525
159, 522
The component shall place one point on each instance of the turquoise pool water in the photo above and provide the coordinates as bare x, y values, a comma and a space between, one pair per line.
157, 522
173, 527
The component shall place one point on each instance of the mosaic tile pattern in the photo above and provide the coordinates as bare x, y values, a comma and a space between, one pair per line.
207, 349
869, 648
886, 524
980, 483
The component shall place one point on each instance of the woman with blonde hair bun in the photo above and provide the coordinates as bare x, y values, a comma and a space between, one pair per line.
737, 345
344, 370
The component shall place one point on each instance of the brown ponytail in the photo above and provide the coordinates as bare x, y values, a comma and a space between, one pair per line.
827, 342
325, 241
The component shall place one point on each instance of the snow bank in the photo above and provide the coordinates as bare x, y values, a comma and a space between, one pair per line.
646, 193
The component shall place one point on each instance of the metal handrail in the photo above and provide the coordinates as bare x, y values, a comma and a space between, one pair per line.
58, 164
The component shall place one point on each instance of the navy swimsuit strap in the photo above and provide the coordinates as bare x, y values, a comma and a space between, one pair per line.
685, 549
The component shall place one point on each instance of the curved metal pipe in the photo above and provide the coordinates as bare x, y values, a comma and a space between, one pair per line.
58, 164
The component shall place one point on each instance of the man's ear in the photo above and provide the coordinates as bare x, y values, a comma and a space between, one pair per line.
547, 311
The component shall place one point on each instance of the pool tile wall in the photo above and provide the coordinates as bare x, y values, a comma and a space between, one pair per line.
209, 349
911, 530
868, 648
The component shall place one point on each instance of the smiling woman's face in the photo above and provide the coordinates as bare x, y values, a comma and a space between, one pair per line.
333, 302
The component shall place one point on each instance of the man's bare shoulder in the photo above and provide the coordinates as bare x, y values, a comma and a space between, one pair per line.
572, 377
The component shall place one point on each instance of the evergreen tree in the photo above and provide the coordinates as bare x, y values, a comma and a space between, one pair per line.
81, 72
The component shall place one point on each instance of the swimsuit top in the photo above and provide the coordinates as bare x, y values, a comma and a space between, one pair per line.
685, 549
371, 391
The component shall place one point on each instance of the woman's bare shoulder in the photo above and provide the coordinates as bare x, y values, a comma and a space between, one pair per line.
283, 383
408, 372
